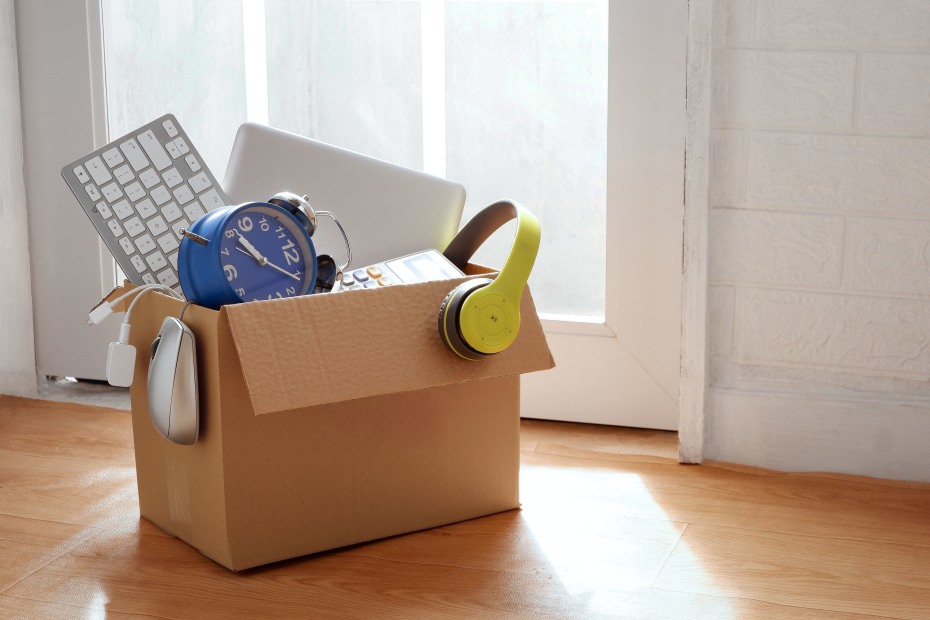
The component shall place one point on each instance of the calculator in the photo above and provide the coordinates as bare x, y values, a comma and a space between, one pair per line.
424, 266
140, 191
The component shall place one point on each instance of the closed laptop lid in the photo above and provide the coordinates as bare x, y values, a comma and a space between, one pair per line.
387, 210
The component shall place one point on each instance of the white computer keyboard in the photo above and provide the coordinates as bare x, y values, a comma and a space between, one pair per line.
140, 191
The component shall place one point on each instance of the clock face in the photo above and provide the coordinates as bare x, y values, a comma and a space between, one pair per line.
265, 254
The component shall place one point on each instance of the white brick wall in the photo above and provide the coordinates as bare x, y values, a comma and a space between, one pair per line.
819, 234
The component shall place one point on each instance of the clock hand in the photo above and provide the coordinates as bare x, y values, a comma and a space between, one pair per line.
251, 249
264, 261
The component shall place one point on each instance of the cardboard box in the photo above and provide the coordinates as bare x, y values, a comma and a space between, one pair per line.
330, 420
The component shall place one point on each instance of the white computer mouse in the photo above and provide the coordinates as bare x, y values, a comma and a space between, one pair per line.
172, 383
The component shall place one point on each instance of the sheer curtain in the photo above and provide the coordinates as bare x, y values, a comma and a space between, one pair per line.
17, 346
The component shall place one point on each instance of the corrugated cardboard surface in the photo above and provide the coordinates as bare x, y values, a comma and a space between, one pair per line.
384, 457
322, 349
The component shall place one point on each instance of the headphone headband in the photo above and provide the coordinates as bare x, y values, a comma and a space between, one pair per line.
519, 263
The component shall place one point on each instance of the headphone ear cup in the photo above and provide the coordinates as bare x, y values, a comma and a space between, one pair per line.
450, 319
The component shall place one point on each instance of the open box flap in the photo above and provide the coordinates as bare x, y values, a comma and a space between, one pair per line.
321, 349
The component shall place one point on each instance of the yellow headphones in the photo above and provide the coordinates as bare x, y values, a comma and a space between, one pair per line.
481, 317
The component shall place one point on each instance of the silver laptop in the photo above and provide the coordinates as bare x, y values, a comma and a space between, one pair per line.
386, 209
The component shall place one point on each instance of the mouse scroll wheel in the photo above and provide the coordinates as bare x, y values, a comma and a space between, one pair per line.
155, 345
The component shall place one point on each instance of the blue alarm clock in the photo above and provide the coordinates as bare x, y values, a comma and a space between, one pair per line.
250, 252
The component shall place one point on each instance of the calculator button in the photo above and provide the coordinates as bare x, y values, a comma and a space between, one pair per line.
348, 280
171, 211
135, 191
211, 200
153, 149
82, 175
145, 243
138, 263
370, 284
156, 261
167, 277
360, 275
183, 194
134, 154
127, 246
199, 182
103, 210
172, 177
168, 242
194, 211
112, 157
149, 178
160, 195
146, 209
192, 163
97, 170
374, 272
124, 174
385, 281
157, 225
170, 128
182, 145
112, 192
92, 192
134, 227
123, 209
115, 228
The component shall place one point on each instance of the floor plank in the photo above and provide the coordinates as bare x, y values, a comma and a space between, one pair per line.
611, 526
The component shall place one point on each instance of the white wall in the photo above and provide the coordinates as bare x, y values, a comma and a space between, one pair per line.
819, 236
17, 351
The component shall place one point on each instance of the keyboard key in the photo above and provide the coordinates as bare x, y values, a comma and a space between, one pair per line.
123, 209
156, 261
182, 145
170, 128
112, 157
127, 246
180, 225
138, 263
134, 227
103, 210
211, 200
150, 178
154, 150
97, 170
145, 243
146, 209
194, 211
199, 182
115, 228
172, 149
192, 162
168, 242
172, 177
157, 225
161, 195
135, 191
134, 154
82, 175
92, 192
112, 192
148, 278
167, 277
124, 174
171, 211
173, 259
183, 194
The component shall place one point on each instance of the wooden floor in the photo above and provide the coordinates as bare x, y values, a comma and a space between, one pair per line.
611, 526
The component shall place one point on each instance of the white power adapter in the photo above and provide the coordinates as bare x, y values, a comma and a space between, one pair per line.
121, 356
